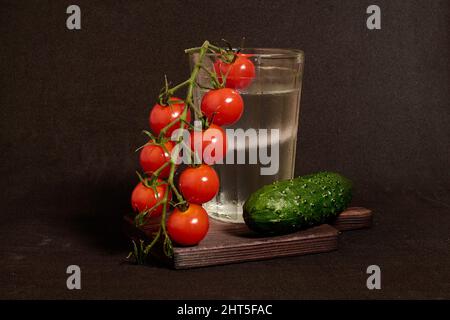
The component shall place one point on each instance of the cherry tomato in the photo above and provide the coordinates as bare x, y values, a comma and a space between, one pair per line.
153, 156
144, 198
188, 227
212, 143
199, 184
222, 106
240, 73
161, 116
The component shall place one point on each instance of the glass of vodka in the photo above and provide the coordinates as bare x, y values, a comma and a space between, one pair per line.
271, 112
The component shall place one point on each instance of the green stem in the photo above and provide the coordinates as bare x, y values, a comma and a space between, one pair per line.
155, 239
177, 193
158, 171
178, 86
141, 215
163, 131
198, 113
192, 154
210, 46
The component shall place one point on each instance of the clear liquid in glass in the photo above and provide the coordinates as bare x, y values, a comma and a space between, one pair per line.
268, 110
272, 101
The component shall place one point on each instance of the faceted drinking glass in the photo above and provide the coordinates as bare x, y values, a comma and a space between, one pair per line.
271, 101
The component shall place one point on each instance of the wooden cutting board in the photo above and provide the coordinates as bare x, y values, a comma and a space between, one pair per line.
234, 242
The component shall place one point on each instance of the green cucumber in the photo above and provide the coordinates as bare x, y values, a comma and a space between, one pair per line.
289, 205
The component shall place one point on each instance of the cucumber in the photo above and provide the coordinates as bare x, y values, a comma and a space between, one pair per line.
289, 205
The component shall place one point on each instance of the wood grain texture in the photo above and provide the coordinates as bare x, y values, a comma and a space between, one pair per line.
353, 218
233, 242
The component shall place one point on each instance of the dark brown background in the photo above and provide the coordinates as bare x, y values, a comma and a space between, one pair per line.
375, 107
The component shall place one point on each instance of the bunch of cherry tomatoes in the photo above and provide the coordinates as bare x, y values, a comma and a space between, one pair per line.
221, 106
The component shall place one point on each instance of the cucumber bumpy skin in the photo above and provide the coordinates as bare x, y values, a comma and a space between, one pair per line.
289, 205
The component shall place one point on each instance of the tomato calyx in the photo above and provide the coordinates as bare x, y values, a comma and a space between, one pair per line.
164, 98
150, 182
171, 100
183, 207
230, 54
205, 123
194, 165
157, 141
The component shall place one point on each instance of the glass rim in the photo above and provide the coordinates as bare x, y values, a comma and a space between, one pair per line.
271, 53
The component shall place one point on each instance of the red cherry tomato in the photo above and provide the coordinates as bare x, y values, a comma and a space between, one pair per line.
188, 227
222, 106
144, 198
199, 184
153, 156
161, 116
240, 73
211, 143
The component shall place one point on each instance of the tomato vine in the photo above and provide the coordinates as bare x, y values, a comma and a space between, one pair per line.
166, 98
